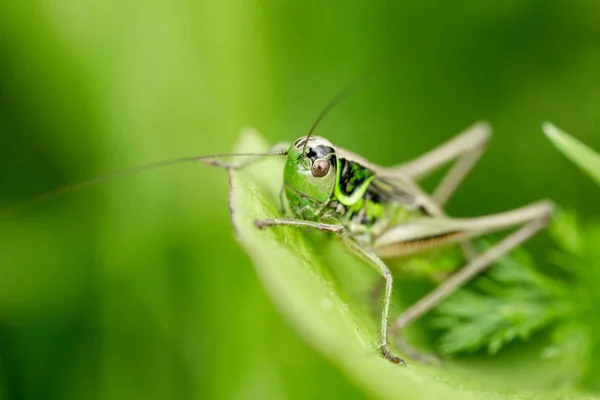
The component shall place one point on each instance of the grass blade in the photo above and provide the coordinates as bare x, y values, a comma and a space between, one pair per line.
587, 159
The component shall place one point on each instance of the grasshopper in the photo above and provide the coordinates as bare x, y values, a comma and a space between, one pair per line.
379, 212
382, 213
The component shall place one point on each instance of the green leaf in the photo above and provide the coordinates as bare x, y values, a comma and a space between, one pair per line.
512, 301
576, 340
290, 264
580, 154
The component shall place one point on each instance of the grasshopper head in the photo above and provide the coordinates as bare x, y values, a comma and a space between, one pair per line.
310, 174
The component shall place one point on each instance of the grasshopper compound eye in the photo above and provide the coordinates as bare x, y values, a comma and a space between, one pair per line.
320, 167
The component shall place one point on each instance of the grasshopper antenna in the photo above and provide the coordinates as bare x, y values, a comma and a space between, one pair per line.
41, 198
343, 94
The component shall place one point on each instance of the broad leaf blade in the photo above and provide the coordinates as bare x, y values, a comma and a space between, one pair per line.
579, 153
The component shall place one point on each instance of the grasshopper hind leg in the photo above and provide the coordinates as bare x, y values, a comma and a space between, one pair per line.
463, 151
529, 220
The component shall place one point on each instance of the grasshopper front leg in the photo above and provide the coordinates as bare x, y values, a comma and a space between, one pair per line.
367, 255
299, 223
362, 252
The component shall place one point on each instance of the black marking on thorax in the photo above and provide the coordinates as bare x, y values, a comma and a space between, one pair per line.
352, 175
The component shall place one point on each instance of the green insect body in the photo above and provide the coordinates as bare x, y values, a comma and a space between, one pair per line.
320, 185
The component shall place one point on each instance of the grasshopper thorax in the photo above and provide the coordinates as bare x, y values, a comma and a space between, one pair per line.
309, 175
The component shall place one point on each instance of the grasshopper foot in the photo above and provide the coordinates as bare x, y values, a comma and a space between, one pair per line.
260, 224
385, 351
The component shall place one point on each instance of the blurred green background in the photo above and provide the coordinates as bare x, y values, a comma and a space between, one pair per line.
136, 288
